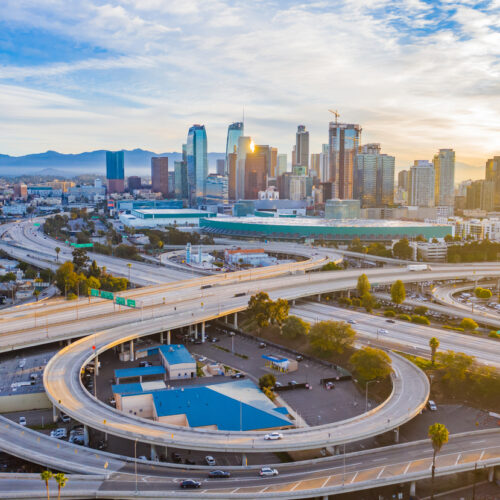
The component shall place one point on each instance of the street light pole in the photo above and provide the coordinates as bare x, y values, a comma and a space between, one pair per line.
135, 463
366, 393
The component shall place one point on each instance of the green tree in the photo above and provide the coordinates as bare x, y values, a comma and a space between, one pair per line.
278, 311
66, 278
46, 475
448, 238
10, 276
61, 480
468, 324
259, 307
421, 310
328, 337
36, 293
455, 365
94, 270
368, 302
363, 285
80, 258
295, 327
93, 282
331, 266
421, 238
402, 249
398, 292
267, 380
371, 364
30, 273
433, 344
357, 246
439, 437
420, 320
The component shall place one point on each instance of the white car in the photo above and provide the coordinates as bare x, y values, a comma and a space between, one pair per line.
431, 405
22, 421
210, 460
351, 321
268, 472
382, 331
60, 433
201, 359
273, 435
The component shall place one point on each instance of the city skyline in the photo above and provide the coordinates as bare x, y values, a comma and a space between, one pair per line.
77, 77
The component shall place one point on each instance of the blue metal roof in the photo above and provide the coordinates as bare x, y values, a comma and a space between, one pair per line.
208, 405
126, 388
139, 371
176, 354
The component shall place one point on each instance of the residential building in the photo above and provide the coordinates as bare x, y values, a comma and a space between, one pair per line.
342, 209
271, 193
197, 163
314, 166
444, 177
134, 182
216, 189
234, 132
480, 195
421, 184
344, 141
302, 147
159, 175
115, 171
403, 179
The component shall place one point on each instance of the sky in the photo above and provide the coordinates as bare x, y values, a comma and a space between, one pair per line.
80, 75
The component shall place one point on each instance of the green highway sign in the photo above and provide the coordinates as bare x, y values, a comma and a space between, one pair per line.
36, 224
130, 302
120, 301
82, 245
107, 295
94, 292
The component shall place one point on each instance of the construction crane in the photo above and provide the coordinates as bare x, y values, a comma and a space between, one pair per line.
336, 113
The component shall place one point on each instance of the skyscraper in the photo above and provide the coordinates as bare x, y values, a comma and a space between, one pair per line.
234, 132
245, 146
444, 178
255, 173
220, 166
197, 163
493, 174
159, 175
274, 163
421, 184
344, 140
216, 189
302, 147
315, 164
232, 162
324, 160
403, 179
134, 182
115, 171
282, 164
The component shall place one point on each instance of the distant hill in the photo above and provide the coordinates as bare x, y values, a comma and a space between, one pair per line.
137, 162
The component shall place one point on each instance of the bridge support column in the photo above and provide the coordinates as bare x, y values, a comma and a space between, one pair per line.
122, 347
244, 460
54, 413
319, 297
131, 350
225, 318
68, 342
196, 331
154, 455
293, 302
161, 337
86, 439
169, 337
348, 294
413, 488
235, 324
96, 365
203, 332
491, 474
396, 435
325, 497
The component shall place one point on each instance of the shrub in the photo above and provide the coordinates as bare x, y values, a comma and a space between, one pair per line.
404, 317
493, 334
356, 302
451, 327
420, 320
345, 301
267, 380
389, 313
421, 310
71, 296
468, 324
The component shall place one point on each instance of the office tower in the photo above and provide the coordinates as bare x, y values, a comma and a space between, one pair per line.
197, 163
115, 171
324, 160
134, 182
403, 177
314, 167
493, 174
266, 152
282, 164
171, 182
302, 147
255, 172
159, 175
344, 140
297, 187
421, 184
480, 195
232, 159
234, 132
20, 190
294, 156
220, 167
245, 146
216, 189
273, 167
444, 178
181, 183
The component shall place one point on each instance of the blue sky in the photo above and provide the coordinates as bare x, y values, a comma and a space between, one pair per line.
78, 75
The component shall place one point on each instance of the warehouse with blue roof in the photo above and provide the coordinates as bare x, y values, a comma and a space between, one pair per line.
177, 361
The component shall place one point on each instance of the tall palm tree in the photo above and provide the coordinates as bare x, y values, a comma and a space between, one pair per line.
57, 249
61, 480
439, 436
46, 475
433, 344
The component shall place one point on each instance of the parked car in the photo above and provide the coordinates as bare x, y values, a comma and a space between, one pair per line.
22, 421
219, 474
189, 461
329, 385
292, 382
238, 375
262, 345
268, 472
176, 458
59, 433
431, 405
214, 339
144, 364
202, 359
190, 483
65, 418
272, 436
210, 460
278, 384
299, 358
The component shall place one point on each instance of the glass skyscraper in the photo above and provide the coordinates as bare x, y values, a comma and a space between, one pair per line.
444, 178
115, 171
234, 132
197, 163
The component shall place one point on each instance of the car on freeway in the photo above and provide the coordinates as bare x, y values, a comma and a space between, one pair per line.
190, 483
142, 457
292, 382
390, 321
268, 472
219, 474
238, 375
382, 331
22, 421
272, 436
210, 460
352, 321
214, 339
278, 384
431, 405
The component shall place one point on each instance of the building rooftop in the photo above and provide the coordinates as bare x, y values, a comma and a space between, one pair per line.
139, 371
176, 354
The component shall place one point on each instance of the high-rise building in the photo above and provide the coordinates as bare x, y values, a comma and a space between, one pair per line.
344, 140
302, 147
480, 195
324, 160
159, 175
274, 163
115, 171
181, 184
294, 156
197, 163
444, 178
216, 190
171, 183
245, 146
234, 132
421, 184
220, 166
20, 190
282, 164
493, 174
232, 159
134, 182
314, 167
255, 173
265, 151
403, 178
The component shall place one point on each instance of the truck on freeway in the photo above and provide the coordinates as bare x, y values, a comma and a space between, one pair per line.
418, 267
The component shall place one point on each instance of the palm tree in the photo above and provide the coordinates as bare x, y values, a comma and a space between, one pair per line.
46, 475
439, 436
57, 249
61, 480
433, 344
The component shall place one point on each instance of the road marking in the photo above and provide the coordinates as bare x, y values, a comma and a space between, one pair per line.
458, 458
291, 489
379, 459
481, 456
380, 473
407, 467
354, 477
477, 442
326, 480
